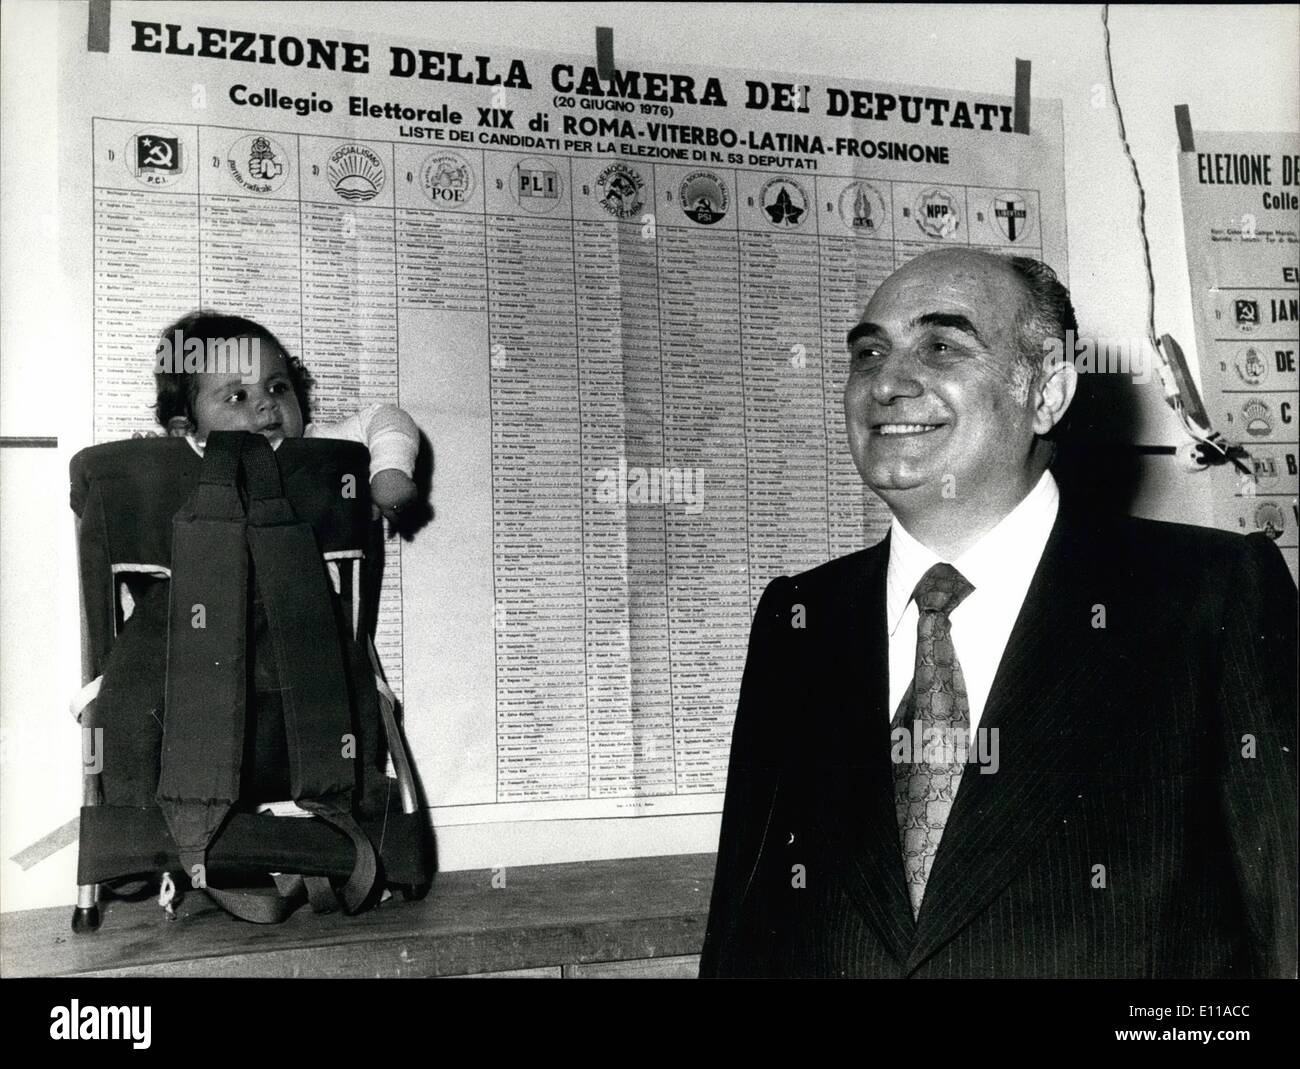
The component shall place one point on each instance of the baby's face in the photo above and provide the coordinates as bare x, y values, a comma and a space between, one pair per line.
224, 402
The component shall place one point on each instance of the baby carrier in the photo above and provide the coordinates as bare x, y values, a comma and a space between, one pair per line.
233, 680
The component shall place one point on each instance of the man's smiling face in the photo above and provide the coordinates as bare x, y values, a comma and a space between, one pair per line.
936, 386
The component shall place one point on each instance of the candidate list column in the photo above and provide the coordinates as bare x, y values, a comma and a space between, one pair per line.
705, 465
628, 686
349, 291
780, 336
146, 262
441, 243
536, 482
856, 254
250, 230
653, 760
349, 313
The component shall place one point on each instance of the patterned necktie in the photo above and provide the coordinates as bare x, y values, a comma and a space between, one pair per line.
924, 789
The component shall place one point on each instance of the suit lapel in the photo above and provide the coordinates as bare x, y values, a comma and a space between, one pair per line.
1052, 707
851, 779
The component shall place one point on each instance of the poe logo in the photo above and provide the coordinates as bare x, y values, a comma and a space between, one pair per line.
447, 179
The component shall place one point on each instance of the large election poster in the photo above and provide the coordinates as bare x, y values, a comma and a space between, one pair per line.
616, 307
1241, 216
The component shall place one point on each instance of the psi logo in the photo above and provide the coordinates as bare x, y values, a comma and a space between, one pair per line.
156, 158
1270, 519
355, 172
704, 197
258, 163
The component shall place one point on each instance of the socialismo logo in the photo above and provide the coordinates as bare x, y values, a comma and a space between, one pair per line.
76, 1021
179, 355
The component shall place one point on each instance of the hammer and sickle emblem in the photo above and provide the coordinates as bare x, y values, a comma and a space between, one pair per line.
160, 154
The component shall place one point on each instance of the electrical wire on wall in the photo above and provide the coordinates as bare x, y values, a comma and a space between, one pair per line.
1174, 392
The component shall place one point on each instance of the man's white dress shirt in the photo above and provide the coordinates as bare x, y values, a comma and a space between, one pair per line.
1000, 566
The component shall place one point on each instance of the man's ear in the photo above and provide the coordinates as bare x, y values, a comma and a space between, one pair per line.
1055, 391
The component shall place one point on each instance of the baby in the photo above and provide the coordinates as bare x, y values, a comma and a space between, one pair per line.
226, 373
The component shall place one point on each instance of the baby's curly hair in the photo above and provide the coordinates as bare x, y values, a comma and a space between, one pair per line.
176, 388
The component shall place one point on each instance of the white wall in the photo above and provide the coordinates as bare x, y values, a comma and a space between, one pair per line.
1236, 67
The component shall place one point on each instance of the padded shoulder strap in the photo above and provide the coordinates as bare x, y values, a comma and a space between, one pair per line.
295, 590
206, 691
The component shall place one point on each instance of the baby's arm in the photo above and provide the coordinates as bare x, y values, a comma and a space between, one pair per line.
393, 440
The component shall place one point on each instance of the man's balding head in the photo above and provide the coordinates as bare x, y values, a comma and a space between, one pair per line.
1045, 312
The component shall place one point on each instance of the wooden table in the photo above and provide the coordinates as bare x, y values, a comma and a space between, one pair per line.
639, 917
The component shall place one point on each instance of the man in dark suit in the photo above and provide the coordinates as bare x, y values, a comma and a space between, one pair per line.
1017, 737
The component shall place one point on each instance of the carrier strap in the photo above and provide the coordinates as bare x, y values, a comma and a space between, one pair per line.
207, 681
207, 686
262, 906
322, 742
271, 905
